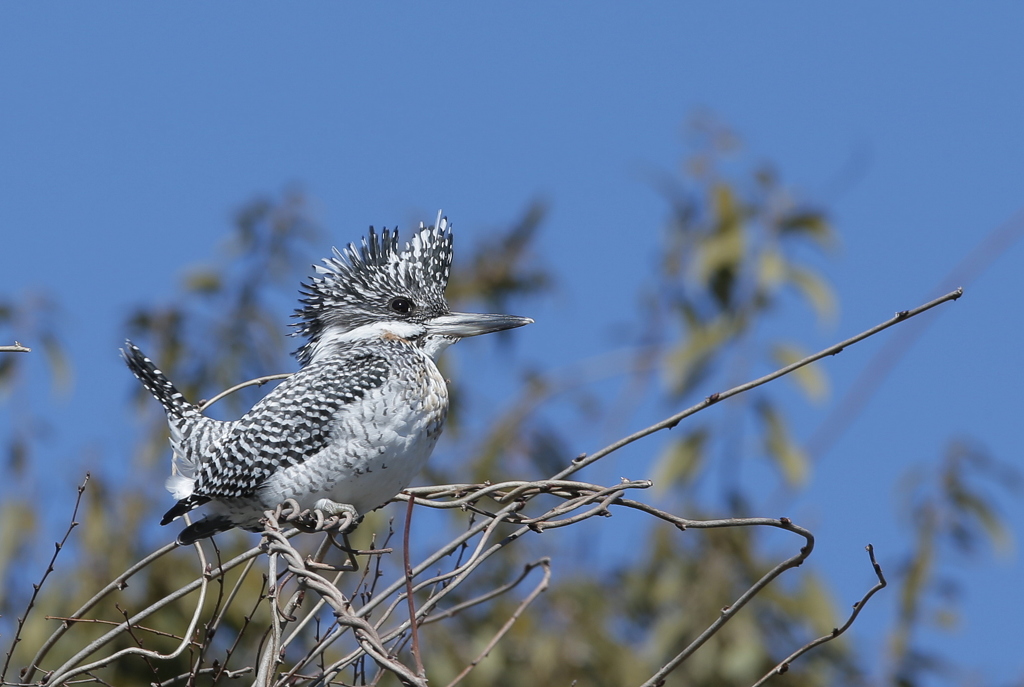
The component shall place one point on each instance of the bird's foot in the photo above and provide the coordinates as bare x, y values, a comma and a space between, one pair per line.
332, 508
324, 515
329, 515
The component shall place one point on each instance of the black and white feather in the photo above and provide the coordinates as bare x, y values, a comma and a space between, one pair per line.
356, 287
358, 421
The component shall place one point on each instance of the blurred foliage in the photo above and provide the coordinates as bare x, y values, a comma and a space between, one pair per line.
31, 320
737, 248
736, 245
951, 513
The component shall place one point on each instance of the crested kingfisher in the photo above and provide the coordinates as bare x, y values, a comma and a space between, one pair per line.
357, 422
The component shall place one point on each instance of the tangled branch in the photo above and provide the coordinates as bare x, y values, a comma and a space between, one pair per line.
353, 621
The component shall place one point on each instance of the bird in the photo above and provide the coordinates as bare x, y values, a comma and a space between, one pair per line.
358, 420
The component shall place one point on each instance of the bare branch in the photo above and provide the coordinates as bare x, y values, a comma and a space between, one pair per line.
368, 621
902, 316
259, 381
58, 547
408, 590
857, 607
72, 667
729, 612
541, 586
119, 583
204, 671
16, 348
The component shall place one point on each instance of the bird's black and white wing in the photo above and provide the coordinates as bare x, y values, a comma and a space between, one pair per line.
287, 427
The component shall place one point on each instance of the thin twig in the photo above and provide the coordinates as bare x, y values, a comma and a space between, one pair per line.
16, 348
100, 621
406, 559
246, 620
857, 607
204, 671
729, 612
138, 640
259, 381
902, 316
211, 626
72, 666
58, 547
579, 501
214, 625
541, 586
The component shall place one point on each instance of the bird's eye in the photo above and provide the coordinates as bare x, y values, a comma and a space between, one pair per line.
401, 305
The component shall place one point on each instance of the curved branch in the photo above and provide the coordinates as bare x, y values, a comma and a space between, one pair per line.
783, 666
730, 611
259, 381
70, 667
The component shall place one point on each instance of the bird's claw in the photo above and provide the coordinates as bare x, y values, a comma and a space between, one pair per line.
324, 516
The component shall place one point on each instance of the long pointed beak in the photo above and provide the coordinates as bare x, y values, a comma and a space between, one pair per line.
463, 324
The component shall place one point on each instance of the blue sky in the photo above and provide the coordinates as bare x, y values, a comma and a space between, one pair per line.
131, 131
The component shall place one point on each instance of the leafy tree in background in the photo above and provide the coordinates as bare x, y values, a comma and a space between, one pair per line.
736, 249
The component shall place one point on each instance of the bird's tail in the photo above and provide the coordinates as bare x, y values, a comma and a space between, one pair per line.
156, 383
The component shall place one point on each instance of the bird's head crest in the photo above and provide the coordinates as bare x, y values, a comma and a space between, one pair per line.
358, 285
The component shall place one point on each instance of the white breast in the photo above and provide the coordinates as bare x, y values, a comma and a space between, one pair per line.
378, 446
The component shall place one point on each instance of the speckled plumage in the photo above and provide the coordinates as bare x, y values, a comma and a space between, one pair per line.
358, 421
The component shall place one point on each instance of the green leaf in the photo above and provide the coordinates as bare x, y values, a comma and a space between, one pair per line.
816, 290
203, 280
810, 223
722, 250
971, 505
686, 363
771, 269
810, 378
60, 368
680, 461
791, 460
